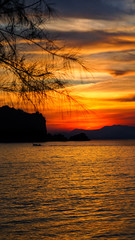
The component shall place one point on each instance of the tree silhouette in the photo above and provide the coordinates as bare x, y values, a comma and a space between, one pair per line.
21, 22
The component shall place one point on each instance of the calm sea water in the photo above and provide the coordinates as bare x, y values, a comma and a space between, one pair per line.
68, 191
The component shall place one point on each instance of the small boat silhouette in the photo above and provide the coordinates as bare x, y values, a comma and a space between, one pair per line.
36, 144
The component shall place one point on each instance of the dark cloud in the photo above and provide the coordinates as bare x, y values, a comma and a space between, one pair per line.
80, 38
117, 56
125, 56
129, 98
93, 9
86, 37
119, 72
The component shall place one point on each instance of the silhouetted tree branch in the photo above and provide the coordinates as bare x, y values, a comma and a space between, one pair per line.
23, 22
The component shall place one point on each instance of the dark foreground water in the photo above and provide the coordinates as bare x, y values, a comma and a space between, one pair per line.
68, 191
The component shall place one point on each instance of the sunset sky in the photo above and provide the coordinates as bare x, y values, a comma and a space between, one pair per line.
103, 33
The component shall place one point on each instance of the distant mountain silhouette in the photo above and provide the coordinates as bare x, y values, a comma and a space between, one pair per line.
108, 132
19, 126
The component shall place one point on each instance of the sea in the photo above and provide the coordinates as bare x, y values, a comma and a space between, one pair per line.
68, 190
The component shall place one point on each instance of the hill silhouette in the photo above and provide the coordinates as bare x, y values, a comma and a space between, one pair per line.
19, 126
108, 132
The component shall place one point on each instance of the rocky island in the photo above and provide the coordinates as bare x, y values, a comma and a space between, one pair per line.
19, 126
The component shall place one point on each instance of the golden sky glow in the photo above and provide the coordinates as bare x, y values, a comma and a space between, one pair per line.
106, 95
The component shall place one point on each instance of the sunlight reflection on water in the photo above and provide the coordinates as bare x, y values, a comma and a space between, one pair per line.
68, 191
